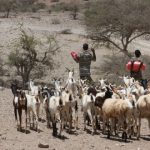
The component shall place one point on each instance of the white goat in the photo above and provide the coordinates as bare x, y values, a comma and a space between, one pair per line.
128, 81
89, 109
33, 105
71, 87
56, 110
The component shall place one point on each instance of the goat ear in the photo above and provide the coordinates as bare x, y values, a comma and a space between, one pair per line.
73, 70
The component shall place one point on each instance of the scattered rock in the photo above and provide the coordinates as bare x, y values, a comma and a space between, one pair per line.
41, 145
106, 147
3, 138
122, 144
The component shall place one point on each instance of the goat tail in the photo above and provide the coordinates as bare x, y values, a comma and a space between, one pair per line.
148, 122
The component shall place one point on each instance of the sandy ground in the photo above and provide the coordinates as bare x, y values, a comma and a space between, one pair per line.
11, 139
41, 25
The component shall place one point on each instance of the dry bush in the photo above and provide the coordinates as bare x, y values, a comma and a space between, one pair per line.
66, 31
29, 5
54, 1
60, 7
56, 21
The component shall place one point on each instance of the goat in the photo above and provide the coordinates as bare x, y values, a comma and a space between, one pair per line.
33, 105
128, 81
47, 94
56, 110
20, 103
34, 89
71, 87
89, 109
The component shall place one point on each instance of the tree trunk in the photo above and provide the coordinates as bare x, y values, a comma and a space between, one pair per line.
8, 12
25, 80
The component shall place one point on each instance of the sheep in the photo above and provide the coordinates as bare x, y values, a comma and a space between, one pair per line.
143, 107
118, 109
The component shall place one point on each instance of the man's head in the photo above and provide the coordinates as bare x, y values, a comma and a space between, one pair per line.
85, 46
137, 53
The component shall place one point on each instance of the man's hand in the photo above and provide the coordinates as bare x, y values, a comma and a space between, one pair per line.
92, 49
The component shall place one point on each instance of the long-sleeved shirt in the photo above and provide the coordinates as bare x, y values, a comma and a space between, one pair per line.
85, 57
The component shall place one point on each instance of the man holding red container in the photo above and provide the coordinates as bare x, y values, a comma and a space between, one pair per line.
84, 59
136, 66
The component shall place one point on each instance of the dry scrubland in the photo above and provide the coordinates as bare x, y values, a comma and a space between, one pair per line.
41, 24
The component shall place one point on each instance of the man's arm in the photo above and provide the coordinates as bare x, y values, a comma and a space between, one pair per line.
94, 55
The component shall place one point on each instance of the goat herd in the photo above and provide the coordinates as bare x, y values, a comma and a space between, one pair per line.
110, 108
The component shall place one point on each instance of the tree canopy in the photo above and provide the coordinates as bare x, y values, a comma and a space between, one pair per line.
26, 58
118, 22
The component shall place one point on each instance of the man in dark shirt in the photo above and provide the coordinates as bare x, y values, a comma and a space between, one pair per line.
84, 59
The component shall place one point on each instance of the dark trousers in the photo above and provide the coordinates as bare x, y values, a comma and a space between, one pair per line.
88, 78
136, 75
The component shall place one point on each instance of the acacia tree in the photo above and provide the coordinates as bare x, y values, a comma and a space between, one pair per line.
27, 58
118, 22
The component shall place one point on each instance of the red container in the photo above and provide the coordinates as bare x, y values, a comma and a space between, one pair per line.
74, 56
136, 66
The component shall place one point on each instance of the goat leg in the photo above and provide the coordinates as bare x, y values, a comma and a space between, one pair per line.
16, 118
20, 118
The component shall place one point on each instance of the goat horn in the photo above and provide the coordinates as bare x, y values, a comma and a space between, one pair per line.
67, 69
